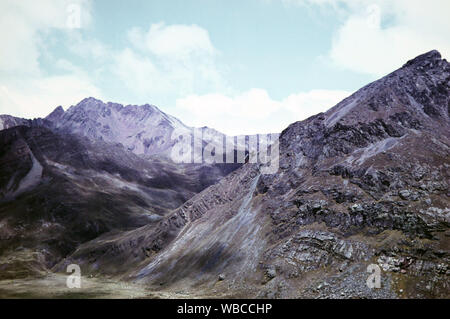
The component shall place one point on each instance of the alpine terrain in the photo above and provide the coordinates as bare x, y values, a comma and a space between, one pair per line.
361, 187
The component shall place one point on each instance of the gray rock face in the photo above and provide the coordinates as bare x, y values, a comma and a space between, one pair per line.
143, 130
8, 121
140, 129
352, 187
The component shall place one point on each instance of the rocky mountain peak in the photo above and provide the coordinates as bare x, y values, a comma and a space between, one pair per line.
56, 114
92, 108
425, 60
90, 101
141, 129
418, 91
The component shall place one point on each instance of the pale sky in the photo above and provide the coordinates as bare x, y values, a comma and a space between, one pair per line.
239, 66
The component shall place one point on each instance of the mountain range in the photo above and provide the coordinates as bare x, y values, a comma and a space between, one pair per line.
364, 184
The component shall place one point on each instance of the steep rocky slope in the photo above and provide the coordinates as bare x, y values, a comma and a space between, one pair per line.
365, 183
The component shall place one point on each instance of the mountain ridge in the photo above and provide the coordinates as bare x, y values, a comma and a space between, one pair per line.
142, 129
365, 183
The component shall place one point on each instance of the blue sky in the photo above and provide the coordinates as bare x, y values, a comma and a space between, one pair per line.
243, 66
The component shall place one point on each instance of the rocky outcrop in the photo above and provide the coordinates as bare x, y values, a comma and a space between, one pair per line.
8, 121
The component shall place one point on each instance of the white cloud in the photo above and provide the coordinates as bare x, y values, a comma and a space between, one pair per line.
25, 90
169, 60
19, 52
306, 104
377, 37
174, 41
139, 73
21, 24
86, 47
363, 44
38, 97
254, 111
